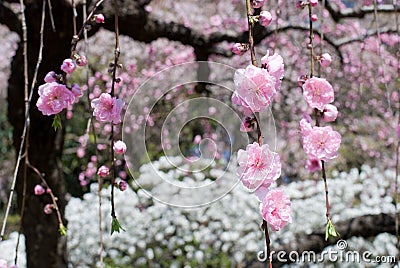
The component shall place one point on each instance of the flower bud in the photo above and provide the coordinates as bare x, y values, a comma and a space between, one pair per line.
248, 124
240, 48
330, 113
122, 185
119, 147
325, 60
99, 18
302, 79
81, 60
265, 18
50, 77
103, 171
48, 209
257, 3
314, 17
39, 190
68, 66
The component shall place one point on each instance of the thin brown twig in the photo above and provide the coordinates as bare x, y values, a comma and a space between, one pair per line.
53, 26
278, 13
76, 37
114, 71
322, 36
381, 62
311, 41
50, 192
317, 112
74, 15
396, 182
27, 119
250, 22
26, 99
91, 125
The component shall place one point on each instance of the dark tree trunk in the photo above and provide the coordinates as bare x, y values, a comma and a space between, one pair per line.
44, 245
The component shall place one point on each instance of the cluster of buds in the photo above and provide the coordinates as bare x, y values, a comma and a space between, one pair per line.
312, 3
96, 19
40, 190
265, 19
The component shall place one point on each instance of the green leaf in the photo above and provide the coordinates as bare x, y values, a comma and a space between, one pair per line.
63, 230
116, 226
56, 122
330, 230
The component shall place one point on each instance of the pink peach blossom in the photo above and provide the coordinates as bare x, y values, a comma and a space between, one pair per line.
275, 67
318, 92
321, 143
330, 113
258, 165
265, 18
68, 66
53, 98
276, 209
305, 127
119, 147
255, 88
107, 108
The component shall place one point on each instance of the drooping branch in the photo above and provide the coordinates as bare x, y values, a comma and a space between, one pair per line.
360, 12
346, 40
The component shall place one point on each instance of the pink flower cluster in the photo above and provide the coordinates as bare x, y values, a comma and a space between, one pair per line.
318, 92
255, 87
107, 108
265, 18
258, 165
258, 168
276, 209
54, 96
319, 143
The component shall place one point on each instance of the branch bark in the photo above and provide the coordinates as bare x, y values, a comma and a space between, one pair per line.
360, 12
45, 247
